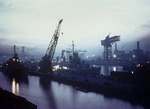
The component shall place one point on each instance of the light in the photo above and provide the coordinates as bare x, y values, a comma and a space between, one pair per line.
132, 72
134, 56
20, 60
115, 56
147, 62
64, 67
87, 56
138, 65
56, 67
114, 69
6, 64
93, 55
15, 87
13, 59
17, 60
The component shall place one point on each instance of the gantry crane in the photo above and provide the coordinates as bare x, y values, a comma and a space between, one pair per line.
107, 43
71, 51
45, 63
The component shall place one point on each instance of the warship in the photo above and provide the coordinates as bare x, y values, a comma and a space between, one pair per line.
14, 67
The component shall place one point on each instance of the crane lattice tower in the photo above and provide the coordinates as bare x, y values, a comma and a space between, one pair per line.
107, 43
45, 63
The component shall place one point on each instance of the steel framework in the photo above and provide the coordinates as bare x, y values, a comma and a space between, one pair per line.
45, 63
107, 43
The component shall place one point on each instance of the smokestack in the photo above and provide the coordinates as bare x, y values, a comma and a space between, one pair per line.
23, 52
115, 48
138, 45
14, 50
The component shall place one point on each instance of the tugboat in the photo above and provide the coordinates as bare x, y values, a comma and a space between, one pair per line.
14, 67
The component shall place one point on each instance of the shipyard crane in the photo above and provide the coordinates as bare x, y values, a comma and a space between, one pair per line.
71, 51
45, 63
107, 43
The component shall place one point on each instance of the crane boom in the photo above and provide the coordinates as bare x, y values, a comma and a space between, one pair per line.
52, 45
45, 63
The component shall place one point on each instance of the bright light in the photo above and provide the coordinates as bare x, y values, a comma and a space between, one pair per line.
87, 56
114, 69
147, 62
93, 55
115, 56
64, 67
17, 60
6, 64
132, 72
56, 67
134, 56
15, 87
13, 59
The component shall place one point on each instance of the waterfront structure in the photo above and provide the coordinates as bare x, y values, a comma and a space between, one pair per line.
107, 43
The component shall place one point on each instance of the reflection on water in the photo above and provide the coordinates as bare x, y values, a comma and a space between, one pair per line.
15, 87
48, 91
52, 95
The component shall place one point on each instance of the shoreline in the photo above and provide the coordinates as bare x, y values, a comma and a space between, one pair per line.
132, 95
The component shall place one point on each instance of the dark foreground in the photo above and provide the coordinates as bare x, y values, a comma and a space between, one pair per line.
11, 101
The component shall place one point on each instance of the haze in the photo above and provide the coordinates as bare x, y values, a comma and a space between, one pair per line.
31, 23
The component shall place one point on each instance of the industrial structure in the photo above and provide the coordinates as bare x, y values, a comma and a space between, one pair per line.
71, 53
45, 63
107, 43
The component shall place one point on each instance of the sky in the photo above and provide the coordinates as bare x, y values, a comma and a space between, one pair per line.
31, 23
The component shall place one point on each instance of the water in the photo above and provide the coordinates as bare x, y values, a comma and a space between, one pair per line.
53, 95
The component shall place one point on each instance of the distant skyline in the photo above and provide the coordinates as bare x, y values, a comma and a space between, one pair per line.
31, 23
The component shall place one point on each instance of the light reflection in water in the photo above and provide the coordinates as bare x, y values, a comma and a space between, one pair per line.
54, 95
15, 87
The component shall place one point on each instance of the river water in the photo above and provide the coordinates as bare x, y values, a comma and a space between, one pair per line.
54, 95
